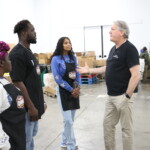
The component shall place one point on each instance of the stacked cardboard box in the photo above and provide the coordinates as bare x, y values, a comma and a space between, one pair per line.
43, 58
50, 84
90, 53
78, 53
101, 63
90, 61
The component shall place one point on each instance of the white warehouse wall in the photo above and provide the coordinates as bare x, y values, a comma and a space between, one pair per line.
56, 18
42, 15
36, 11
10, 13
72, 16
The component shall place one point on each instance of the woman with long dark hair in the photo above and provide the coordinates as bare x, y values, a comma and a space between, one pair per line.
63, 65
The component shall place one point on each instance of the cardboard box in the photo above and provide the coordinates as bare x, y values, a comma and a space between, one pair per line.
78, 53
50, 84
48, 55
90, 53
49, 80
84, 59
49, 90
101, 62
42, 61
43, 58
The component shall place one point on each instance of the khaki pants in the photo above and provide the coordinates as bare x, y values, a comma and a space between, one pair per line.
118, 108
145, 72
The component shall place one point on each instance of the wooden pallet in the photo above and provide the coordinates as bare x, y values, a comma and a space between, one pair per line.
88, 75
88, 79
50, 94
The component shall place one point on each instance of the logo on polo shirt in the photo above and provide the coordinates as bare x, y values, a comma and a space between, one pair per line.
115, 56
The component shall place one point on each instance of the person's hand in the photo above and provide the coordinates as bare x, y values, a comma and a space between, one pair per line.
76, 92
123, 102
33, 114
84, 69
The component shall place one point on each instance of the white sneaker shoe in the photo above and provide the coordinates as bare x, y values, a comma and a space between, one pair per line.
64, 147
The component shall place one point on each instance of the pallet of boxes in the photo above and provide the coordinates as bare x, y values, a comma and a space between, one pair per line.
89, 59
50, 85
43, 58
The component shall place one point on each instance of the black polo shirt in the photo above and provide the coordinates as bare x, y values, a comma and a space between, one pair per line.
25, 68
119, 62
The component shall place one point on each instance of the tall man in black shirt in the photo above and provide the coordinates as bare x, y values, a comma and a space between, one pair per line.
122, 77
26, 76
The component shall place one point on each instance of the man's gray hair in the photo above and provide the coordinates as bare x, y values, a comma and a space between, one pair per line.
122, 25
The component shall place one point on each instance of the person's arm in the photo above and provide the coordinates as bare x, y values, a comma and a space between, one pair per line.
78, 78
86, 69
100, 70
33, 112
55, 66
132, 60
134, 80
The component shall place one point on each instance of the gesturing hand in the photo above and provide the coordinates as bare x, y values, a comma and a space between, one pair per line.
84, 69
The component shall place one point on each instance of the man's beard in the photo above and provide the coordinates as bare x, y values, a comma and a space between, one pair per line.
33, 41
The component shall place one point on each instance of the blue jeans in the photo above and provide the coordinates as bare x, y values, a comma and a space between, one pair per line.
68, 137
31, 131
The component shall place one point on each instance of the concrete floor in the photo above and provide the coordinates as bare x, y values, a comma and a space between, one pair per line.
89, 121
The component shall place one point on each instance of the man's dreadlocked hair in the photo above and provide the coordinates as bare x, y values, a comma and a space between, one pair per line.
21, 26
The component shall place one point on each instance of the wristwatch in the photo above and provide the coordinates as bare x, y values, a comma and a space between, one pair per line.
127, 96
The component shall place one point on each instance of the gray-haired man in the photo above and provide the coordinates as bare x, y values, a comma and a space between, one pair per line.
122, 77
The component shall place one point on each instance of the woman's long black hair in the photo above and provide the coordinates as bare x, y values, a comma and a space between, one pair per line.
59, 49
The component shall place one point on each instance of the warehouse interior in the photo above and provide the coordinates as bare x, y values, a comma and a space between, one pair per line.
87, 23
89, 121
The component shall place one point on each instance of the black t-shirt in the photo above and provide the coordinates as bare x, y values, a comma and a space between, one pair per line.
119, 62
25, 68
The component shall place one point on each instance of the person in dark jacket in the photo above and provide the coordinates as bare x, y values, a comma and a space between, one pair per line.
145, 55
